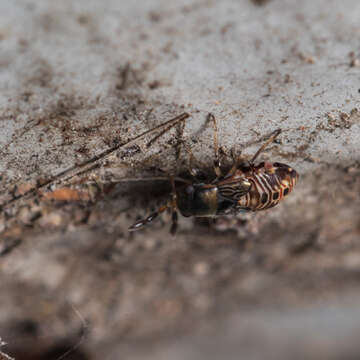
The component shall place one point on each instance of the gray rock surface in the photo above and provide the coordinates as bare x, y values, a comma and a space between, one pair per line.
78, 81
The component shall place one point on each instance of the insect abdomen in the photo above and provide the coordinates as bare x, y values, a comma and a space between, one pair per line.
269, 188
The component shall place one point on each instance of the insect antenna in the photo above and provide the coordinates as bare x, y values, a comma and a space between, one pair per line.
272, 137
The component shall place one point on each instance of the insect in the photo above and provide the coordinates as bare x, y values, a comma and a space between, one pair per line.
245, 187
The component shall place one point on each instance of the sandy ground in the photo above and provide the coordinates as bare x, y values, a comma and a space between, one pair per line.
79, 81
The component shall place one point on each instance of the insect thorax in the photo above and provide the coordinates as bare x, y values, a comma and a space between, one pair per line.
202, 200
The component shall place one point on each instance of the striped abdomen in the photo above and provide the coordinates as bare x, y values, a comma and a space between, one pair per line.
268, 186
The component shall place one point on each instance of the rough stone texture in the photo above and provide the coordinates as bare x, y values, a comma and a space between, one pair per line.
78, 81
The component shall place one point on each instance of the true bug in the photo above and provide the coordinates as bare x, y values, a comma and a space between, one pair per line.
245, 187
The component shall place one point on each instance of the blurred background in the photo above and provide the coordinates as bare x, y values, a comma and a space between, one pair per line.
78, 81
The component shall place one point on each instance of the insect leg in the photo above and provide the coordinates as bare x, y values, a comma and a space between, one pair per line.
141, 223
192, 168
236, 158
217, 168
166, 127
171, 123
272, 137
174, 214
192, 160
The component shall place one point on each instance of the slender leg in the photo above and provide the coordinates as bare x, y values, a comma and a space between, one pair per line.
236, 158
192, 168
173, 205
180, 120
141, 223
217, 168
272, 137
192, 161
180, 141
174, 214
193, 171
168, 125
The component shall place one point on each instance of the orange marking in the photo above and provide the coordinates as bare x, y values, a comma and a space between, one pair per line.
67, 194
